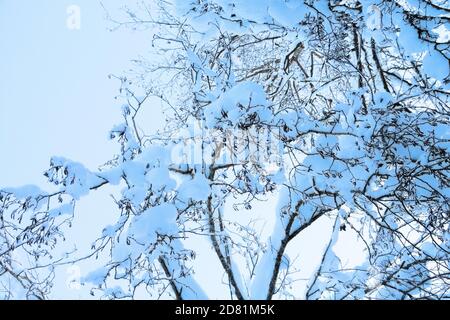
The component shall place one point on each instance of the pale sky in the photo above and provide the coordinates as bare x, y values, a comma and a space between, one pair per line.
55, 96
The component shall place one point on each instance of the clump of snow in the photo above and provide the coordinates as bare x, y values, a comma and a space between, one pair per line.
382, 99
135, 194
76, 179
161, 219
97, 277
113, 175
243, 104
155, 155
443, 34
134, 173
61, 210
197, 188
27, 191
160, 178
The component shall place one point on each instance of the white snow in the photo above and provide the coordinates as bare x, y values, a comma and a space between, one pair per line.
196, 188
161, 218
25, 191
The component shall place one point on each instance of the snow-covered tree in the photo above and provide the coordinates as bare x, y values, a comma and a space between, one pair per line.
339, 109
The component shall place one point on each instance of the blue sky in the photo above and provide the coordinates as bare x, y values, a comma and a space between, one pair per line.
55, 96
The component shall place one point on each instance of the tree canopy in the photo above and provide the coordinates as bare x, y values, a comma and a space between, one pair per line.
339, 109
